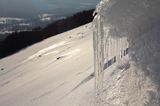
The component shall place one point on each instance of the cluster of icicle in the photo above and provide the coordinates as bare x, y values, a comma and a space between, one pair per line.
136, 23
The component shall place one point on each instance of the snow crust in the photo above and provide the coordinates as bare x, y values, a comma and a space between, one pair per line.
55, 72
135, 81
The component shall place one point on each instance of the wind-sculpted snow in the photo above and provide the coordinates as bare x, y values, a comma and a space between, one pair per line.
55, 72
138, 21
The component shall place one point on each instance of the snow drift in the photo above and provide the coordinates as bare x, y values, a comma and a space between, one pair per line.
138, 21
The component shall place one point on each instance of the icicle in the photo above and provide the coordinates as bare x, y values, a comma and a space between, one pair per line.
98, 46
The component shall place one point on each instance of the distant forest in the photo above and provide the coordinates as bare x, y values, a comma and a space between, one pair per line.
20, 40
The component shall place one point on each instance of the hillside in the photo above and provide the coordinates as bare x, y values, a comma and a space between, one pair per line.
55, 72
20, 40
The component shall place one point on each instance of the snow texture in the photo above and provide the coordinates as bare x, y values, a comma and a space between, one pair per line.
135, 79
55, 72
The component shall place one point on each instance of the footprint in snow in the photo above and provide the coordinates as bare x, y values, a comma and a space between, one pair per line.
70, 37
60, 57
2, 69
39, 55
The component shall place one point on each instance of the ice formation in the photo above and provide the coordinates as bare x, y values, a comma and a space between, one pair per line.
127, 33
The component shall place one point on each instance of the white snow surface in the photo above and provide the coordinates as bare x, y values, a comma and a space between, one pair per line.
55, 72
135, 81
59, 70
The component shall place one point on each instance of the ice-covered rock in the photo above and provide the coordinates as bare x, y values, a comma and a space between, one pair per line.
137, 21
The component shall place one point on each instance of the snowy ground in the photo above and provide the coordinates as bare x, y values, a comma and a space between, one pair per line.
55, 72
59, 72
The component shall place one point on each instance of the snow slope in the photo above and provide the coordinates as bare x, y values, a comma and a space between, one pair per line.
55, 72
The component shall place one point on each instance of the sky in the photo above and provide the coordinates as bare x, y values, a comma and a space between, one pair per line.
31, 8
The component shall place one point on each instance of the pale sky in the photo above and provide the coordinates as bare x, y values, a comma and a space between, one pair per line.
33, 7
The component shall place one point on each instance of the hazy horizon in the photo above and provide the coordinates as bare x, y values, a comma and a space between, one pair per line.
27, 14
31, 8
